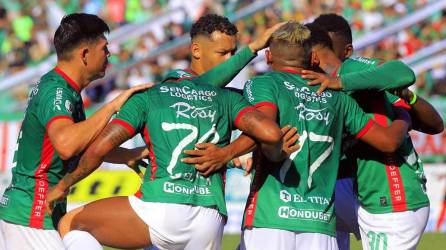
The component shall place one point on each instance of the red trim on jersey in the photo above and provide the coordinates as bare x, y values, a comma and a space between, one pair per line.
366, 128
4, 154
257, 183
396, 185
241, 113
179, 79
57, 117
292, 71
70, 81
251, 209
190, 71
152, 156
402, 104
269, 104
125, 124
138, 193
41, 186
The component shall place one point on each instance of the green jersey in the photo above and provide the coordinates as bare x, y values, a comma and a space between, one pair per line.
385, 182
37, 166
172, 117
219, 75
298, 194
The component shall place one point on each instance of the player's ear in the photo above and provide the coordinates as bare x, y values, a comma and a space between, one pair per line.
268, 56
314, 61
195, 50
84, 53
348, 50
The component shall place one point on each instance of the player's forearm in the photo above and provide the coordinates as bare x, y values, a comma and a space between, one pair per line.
390, 75
121, 155
78, 136
240, 146
426, 118
223, 73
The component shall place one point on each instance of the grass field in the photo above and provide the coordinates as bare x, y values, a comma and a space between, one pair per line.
429, 241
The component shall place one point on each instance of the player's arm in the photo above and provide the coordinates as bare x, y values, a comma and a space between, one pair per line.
389, 75
112, 136
70, 139
223, 73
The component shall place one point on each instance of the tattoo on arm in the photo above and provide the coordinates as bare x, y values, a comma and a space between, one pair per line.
112, 136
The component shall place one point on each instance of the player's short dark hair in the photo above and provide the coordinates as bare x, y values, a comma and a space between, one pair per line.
75, 29
209, 23
319, 36
2, 12
335, 23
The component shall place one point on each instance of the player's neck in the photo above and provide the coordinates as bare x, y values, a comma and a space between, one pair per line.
329, 62
196, 67
281, 67
73, 73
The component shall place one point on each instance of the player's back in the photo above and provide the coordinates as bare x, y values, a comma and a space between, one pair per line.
301, 189
174, 116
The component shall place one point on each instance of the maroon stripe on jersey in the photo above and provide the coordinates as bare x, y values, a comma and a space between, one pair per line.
70, 81
152, 156
138, 193
57, 117
191, 72
257, 183
41, 186
293, 71
241, 113
4, 154
402, 104
125, 124
179, 79
366, 128
394, 180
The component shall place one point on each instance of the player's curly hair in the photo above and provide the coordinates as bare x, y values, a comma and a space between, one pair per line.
335, 23
209, 23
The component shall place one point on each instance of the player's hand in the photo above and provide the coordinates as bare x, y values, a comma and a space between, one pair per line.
125, 95
405, 94
54, 195
290, 137
262, 41
137, 163
243, 162
207, 158
326, 81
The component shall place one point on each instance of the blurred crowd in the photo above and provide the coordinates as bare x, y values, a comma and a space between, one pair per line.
27, 28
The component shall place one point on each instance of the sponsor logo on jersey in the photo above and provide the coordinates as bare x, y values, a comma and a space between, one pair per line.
182, 74
308, 114
68, 106
188, 111
293, 213
180, 189
248, 87
287, 197
58, 100
4, 201
363, 60
187, 93
304, 93
383, 201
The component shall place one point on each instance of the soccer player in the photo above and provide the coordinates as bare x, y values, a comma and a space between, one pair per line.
177, 208
55, 132
391, 187
291, 204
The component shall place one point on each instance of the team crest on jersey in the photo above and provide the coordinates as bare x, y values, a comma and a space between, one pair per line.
69, 106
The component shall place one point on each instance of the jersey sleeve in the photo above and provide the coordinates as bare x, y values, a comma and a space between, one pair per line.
356, 120
397, 101
366, 73
238, 106
260, 91
223, 73
132, 114
55, 103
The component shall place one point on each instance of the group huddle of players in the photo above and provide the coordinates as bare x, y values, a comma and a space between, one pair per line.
328, 132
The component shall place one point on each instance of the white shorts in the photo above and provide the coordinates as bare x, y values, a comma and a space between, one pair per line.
178, 226
13, 237
277, 239
400, 230
346, 207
